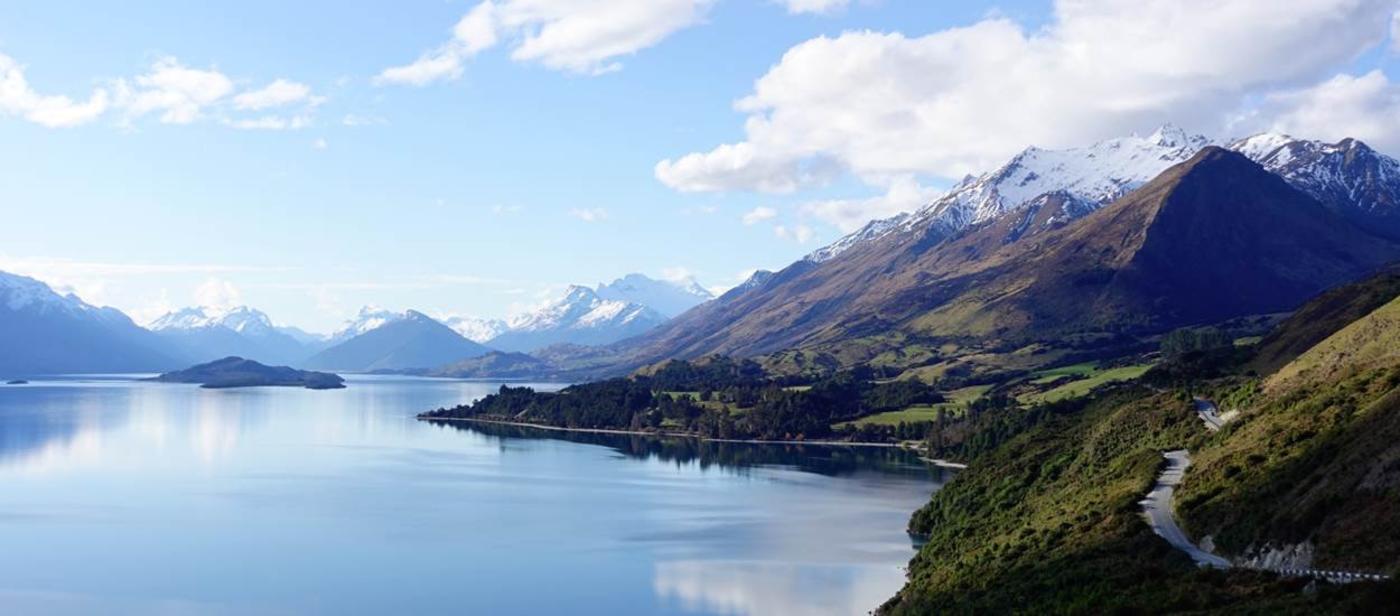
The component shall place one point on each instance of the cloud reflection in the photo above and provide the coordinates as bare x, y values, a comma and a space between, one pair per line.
760, 588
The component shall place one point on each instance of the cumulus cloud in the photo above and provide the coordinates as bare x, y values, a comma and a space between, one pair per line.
279, 93
218, 293
813, 6
581, 36
759, 214
589, 214
178, 93
904, 195
18, 98
957, 101
799, 233
1365, 107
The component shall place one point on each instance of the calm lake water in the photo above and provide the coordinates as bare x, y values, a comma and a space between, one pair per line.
124, 497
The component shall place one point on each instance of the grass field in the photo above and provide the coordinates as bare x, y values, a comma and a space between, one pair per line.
956, 400
1094, 378
1045, 376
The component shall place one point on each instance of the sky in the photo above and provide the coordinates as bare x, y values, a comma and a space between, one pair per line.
474, 158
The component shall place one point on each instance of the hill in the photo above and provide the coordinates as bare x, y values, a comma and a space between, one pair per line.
231, 372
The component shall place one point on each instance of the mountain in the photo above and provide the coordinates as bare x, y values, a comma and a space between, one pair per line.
43, 332
1348, 176
231, 372
368, 318
580, 317
207, 333
1142, 264
669, 298
409, 341
476, 329
1084, 178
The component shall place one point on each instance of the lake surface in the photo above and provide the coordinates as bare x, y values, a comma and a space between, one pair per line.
125, 497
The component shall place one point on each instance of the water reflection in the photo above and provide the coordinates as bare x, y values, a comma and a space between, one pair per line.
130, 497
829, 460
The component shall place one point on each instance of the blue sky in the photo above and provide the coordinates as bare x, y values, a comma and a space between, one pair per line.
492, 185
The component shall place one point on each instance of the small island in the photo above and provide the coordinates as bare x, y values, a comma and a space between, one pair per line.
232, 372
17, 382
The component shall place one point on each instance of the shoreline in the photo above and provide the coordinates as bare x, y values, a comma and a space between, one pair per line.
690, 435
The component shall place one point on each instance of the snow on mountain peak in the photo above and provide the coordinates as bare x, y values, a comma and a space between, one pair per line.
668, 297
22, 292
1096, 175
367, 319
475, 329
241, 319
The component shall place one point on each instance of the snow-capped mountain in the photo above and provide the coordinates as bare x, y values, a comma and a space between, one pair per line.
1348, 176
43, 332
668, 297
580, 316
410, 340
207, 333
1093, 175
476, 329
367, 319
241, 319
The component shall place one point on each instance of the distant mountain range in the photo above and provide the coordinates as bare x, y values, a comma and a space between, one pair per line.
44, 332
205, 334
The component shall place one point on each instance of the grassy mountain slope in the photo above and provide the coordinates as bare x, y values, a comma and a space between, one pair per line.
1322, 317
1049, 523
1314, 460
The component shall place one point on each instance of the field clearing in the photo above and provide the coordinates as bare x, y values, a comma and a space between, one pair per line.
1083, 386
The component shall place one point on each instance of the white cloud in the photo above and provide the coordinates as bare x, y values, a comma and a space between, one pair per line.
813, 6
957, 101
352, 119
676, 274
581, 36
178, 93
1365, 107
799, 233
759, 214
279, 93
271, 122
1395, 32
319, 144
18, 98
589, 214
502, 209
218, 293
904, 195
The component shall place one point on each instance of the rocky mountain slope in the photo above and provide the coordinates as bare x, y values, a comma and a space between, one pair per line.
1348, 176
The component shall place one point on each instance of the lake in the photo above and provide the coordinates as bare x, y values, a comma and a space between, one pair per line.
128, 497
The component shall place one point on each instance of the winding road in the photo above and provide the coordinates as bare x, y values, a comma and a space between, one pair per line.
1158, 510
1209, 414
1161, 516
